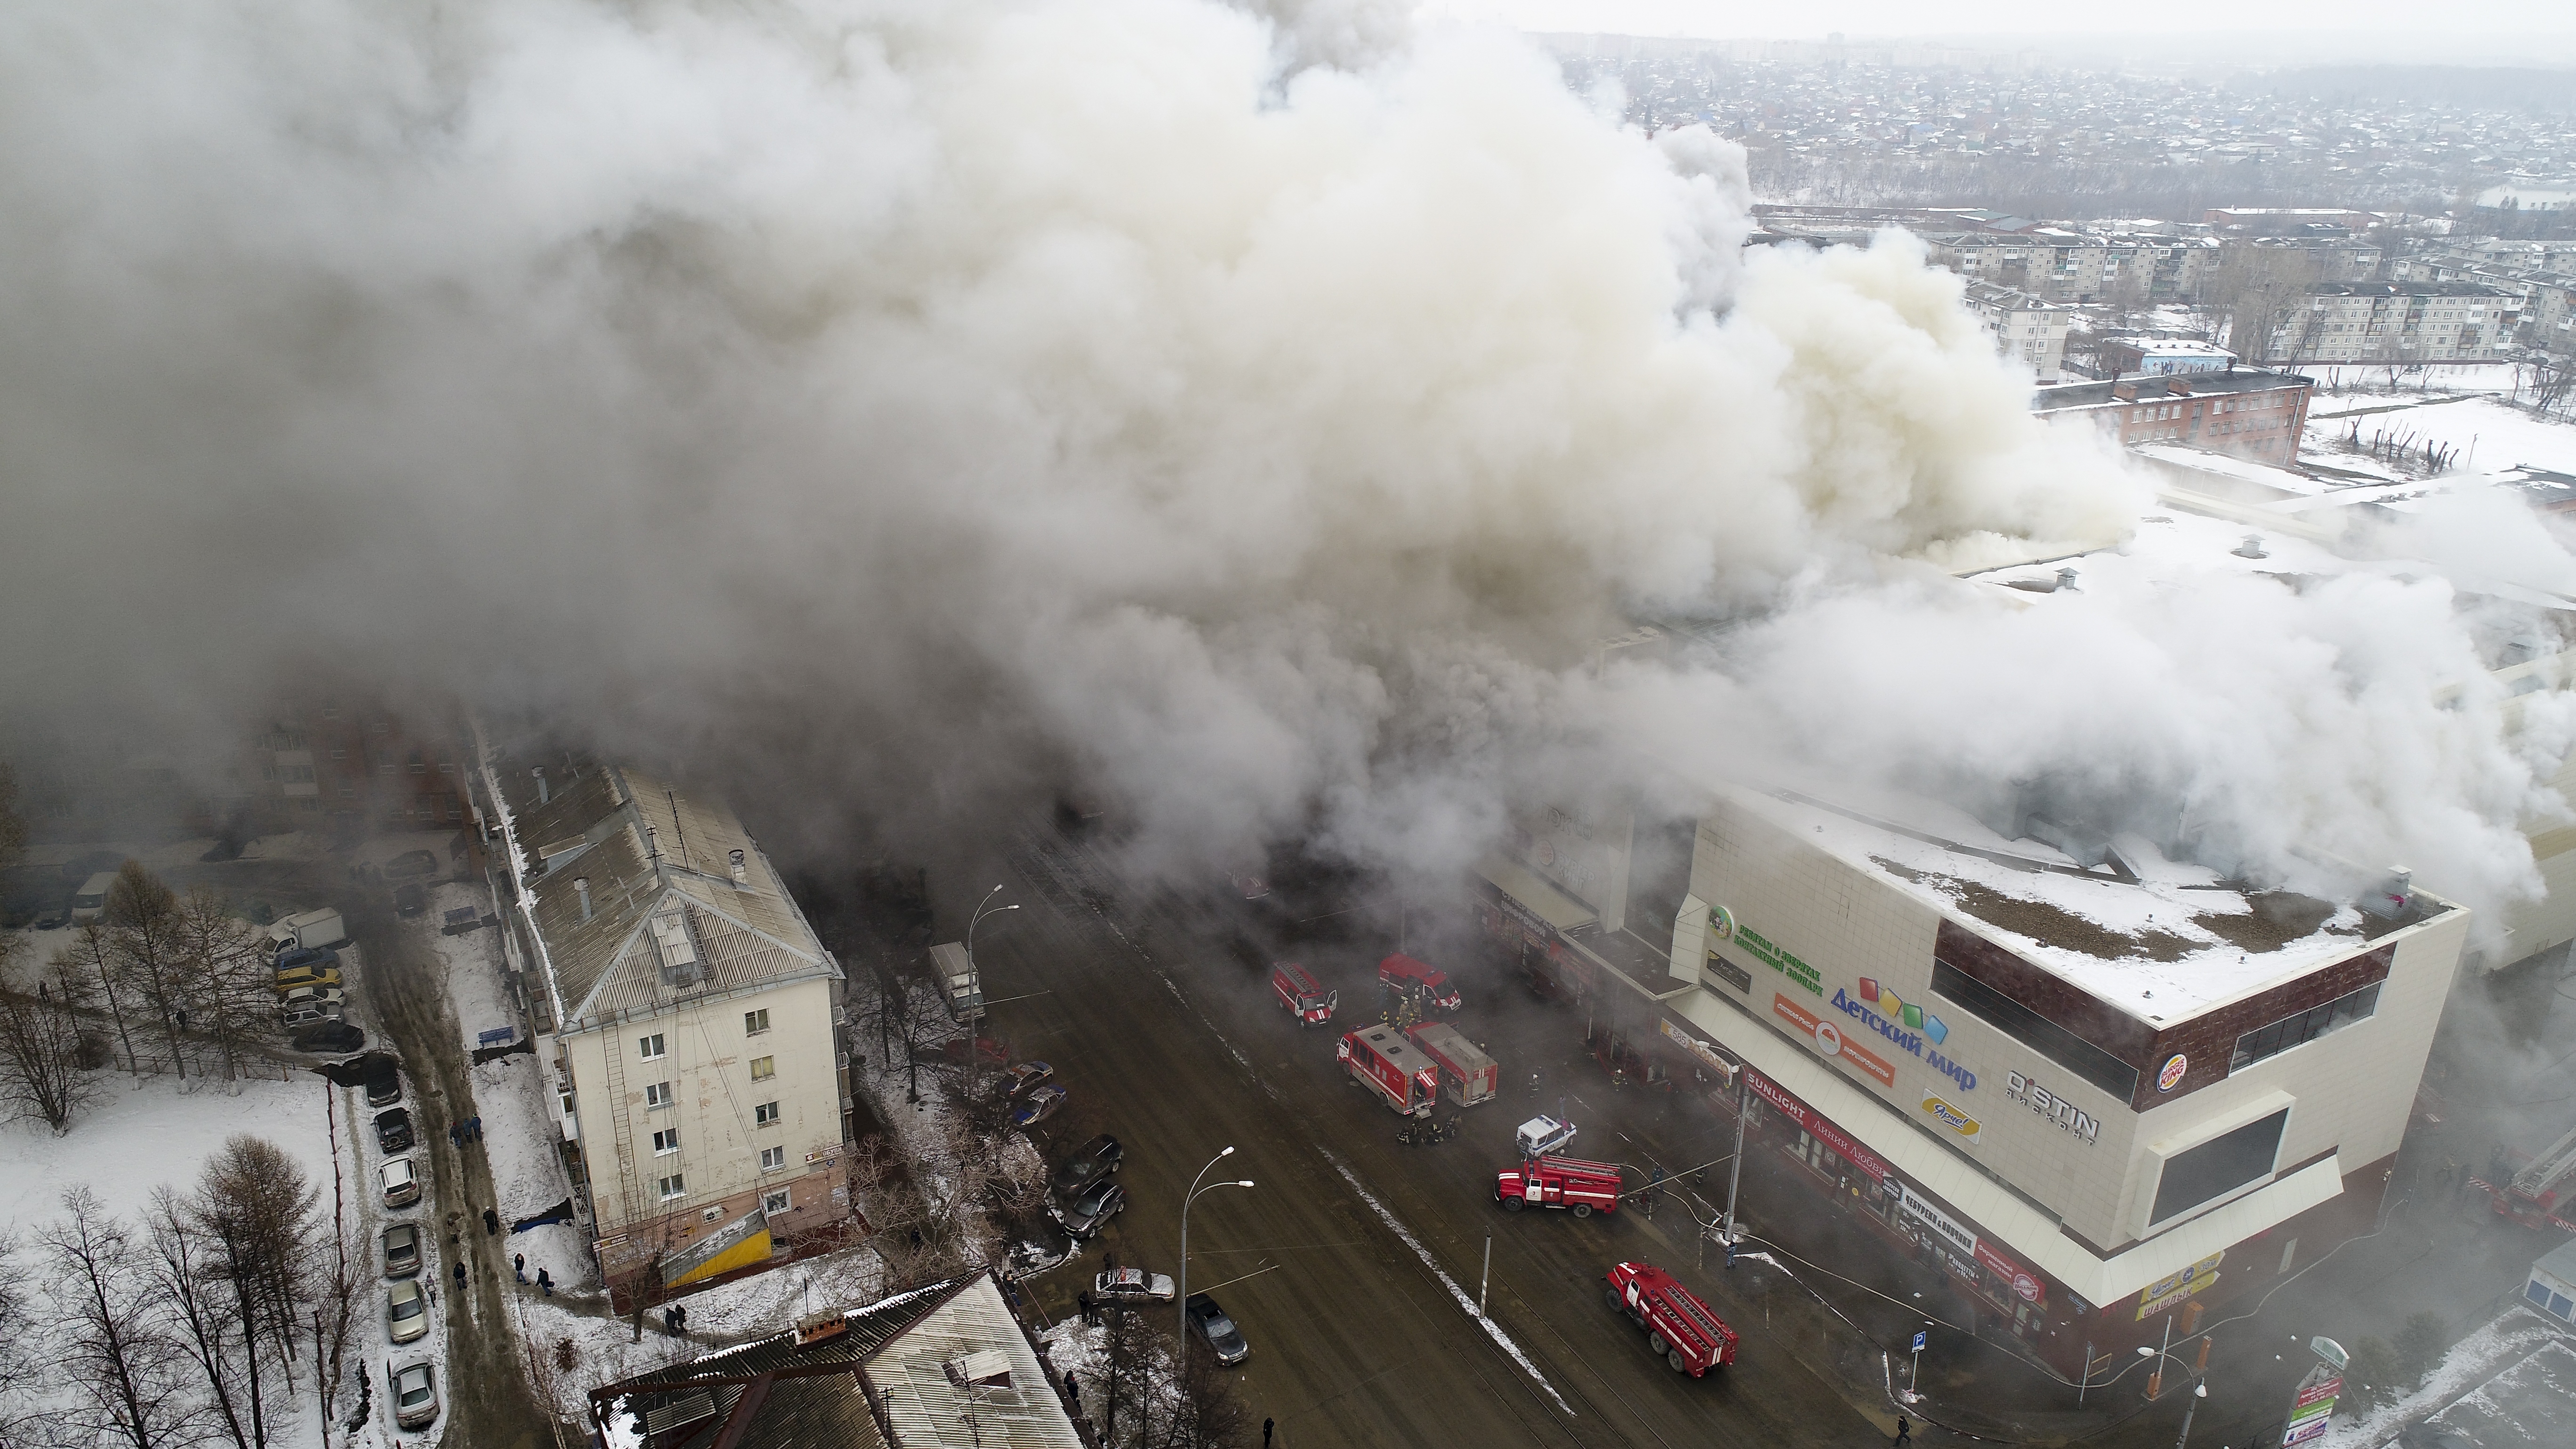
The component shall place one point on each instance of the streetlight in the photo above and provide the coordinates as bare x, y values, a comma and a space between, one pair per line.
1183, 1346
974, 1047
2199, 1384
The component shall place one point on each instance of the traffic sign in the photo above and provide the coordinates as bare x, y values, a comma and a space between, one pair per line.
1920, 1337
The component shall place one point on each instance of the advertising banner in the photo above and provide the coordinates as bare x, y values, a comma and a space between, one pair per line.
2025, 1283
1697, 1048
1814, 1124
1829, 1039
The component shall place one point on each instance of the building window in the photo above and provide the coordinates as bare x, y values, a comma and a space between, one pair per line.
763, 1068
339, 754
765, 1115
567, 1104
2300, 1028
2219, 1166
755, 1022
348, 792
671, 1187
2035, 1031
666, 1141
649, 1047
657, 1096
419, 767
772, 1158
773, 1203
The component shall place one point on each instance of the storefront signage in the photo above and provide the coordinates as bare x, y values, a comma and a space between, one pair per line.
2025, 1283
2313, 1409
1814, 1125
1940, 1224
2305, 1430
1699, 1049
2321, 1393
2068, 1117
1951, 1117
1829, 1039
1904, 1024
2175, 1288
1721, 923
2170, 1075
1730, 973
1781, 961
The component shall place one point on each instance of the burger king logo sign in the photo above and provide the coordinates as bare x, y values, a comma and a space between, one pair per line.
2169, 1076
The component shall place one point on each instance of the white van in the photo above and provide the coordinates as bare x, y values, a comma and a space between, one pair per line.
91, 901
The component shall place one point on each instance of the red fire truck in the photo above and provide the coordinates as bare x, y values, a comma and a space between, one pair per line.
1380, 1058
1297, 990
1680, 1329
1472, 1075
1559, 1182
1403, 973
2542, 1191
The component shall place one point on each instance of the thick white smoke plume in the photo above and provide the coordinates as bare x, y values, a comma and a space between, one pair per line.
918, 403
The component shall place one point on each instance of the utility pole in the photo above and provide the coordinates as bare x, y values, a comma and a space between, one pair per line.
1735, 1167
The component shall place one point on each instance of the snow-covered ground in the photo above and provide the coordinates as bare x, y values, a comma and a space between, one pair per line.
2514, 1336
153, 1131
2488, 434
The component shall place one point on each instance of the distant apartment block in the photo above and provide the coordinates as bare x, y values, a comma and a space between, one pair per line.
2247, 413
2160, 357
691, 1016
2399, 322
2025, 329
2289, 220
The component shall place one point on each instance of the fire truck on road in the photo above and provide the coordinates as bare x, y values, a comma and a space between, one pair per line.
1297, 990
1680, 1329
1559, 1182
1380, 1058
2542, 1191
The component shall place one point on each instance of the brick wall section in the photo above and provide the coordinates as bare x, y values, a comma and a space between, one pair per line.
2207, 1041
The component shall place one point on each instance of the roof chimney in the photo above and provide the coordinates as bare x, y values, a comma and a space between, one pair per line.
741, 873
2066, 579
2252, 547
543, 794
581, 888
2391, 895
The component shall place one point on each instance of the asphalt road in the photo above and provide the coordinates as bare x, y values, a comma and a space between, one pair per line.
1347, 1264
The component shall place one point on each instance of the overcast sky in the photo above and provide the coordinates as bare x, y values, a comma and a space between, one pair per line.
2337, 23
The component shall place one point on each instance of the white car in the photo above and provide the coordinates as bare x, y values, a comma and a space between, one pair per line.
1132, 1285
415, 1395
402, 1187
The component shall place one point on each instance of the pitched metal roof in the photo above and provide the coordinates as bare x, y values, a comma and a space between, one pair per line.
632, 890
945, 1365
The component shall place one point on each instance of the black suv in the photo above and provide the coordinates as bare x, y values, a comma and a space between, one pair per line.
1090, 1163
393, 1130
384, 1086
329, 1036
410, 899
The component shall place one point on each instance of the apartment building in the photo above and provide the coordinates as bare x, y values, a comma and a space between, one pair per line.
691, 1015
2025, 329
2049, 263
2399, 322
2161, 356
2241, 411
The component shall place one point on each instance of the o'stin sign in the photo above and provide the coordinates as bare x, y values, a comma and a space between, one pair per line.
2170, 1075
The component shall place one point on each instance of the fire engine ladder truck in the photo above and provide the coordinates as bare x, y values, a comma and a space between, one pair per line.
2545, 1170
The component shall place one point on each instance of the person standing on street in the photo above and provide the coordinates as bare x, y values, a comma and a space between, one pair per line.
1266, 1426
491, 1223
460, 1275
546, 1282
1904, 1430
519, 1265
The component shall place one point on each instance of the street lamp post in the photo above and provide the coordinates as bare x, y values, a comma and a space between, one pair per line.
1183, 1296
1735, 1168
973, 1028
2199, 1381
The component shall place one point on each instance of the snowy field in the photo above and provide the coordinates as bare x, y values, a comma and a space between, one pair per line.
137, 1138
2486, 435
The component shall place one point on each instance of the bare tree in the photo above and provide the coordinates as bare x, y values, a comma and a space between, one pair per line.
13, 826
2254, 295
143, 937
90, 955
227, 975
43, 1071
206, 1331
18, 1359
126, 1375
255, 1204
1202, 1411
333, 1315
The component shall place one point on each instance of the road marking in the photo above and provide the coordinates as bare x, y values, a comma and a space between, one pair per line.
1501, 1339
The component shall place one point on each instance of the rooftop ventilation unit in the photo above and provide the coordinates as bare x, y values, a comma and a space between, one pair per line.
741, 870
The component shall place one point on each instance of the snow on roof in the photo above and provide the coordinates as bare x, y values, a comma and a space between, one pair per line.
2163, 941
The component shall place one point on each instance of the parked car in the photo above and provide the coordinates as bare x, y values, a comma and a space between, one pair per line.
406, 1312
296, 978
1209, 1325
308, 1014
1132, 1285
1026, 1075
54, 917
412, 862
1037, 1106
415, 1390
402, 1250
292, 957
329, 1036
393, 1130
1086, 1213
402, 1188
1092, 1161
384, 1085
329, 1000
988, 1052
410, 899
